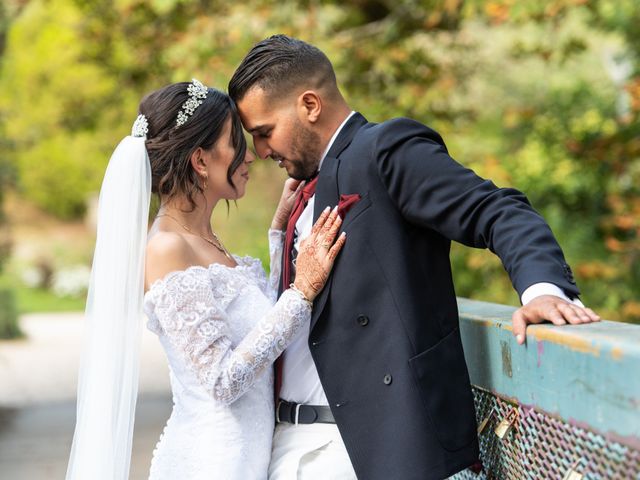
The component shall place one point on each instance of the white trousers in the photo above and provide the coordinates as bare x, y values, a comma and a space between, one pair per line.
309, 452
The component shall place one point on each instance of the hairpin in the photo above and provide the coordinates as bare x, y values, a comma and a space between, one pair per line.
140, 127
197, 93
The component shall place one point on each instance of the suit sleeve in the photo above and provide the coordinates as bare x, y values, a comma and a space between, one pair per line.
432, 190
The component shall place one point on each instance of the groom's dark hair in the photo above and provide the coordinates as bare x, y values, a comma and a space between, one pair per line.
280, 64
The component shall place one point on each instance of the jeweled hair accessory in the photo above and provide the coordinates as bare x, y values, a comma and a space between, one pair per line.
197, 93
140, 127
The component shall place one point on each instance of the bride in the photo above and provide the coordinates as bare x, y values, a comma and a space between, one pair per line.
214, 313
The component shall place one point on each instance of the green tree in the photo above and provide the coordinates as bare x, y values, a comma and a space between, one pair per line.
541, 96
8, 315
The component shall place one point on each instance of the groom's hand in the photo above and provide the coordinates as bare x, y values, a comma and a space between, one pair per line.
553, 309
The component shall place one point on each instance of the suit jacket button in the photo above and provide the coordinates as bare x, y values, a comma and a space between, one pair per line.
387, 379
363, 320
569, 274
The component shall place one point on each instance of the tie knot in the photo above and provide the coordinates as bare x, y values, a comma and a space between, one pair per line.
309, 189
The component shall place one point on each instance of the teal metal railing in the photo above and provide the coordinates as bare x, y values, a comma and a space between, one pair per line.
566, 405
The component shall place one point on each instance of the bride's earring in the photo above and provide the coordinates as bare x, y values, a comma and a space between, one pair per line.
204, 182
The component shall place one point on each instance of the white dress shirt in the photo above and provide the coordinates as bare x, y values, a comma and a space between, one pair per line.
300, 380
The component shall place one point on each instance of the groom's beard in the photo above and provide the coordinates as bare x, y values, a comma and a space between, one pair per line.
306, 150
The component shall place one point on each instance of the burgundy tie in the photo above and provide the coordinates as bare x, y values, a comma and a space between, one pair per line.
287, 275
298, 207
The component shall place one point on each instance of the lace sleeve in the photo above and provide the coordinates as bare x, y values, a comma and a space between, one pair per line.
196, 327
276, 243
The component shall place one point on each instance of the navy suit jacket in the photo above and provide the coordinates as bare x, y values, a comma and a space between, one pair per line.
384, 331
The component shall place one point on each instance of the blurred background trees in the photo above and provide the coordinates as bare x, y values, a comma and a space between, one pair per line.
541, 96
8, 313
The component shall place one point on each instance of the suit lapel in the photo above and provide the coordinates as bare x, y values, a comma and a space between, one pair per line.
327, 188
326, 195
327, 192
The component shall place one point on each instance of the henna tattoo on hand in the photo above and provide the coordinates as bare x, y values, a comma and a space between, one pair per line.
317, 254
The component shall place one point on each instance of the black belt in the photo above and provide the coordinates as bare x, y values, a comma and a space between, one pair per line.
297, 413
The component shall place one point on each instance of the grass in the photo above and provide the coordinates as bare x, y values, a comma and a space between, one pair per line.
9, 327
36, 300
33, 300
40, 238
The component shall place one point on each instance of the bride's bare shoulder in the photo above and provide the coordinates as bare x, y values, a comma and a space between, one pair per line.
166, 252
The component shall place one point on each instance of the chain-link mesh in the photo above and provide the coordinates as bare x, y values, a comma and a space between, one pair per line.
538, 446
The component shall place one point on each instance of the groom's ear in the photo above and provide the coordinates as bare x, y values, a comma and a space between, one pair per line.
310, 106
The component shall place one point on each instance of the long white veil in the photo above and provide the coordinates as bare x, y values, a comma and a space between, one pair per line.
108, 379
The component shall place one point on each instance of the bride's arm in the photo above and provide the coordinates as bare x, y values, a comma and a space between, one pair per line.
197, 327
264, 343
276, 243
277, 234
287, 199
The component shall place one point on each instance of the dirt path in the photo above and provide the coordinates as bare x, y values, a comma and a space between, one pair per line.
43, 367
35, 441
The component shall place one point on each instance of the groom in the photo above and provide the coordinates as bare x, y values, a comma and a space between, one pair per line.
378, 386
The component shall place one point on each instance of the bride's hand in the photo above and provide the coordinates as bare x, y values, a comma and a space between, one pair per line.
318, 253
287, 199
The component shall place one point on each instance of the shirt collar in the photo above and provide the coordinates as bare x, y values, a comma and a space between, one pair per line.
333, 139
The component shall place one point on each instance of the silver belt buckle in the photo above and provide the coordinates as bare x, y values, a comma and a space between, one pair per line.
297, 416
278, 411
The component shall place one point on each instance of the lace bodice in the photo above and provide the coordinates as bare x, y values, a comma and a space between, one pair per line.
222, 331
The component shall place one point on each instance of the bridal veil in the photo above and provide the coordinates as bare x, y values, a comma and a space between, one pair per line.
108, 378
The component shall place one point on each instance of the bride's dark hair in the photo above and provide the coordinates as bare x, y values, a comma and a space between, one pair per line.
170, 147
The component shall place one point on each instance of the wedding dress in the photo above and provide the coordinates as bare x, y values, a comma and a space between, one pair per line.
221, 330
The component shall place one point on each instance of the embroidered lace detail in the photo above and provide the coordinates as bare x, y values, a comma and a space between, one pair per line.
189, 308
276, 245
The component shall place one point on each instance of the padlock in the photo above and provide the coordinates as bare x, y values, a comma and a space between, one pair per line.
572, 473
506, 423
483, 424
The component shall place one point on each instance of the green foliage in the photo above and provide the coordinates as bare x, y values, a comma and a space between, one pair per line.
38, 300
8, 315
541, 96
61, 105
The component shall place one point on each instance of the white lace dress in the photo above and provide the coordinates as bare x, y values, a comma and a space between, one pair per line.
221, 332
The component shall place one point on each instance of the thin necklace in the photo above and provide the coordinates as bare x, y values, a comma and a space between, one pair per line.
217, 243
